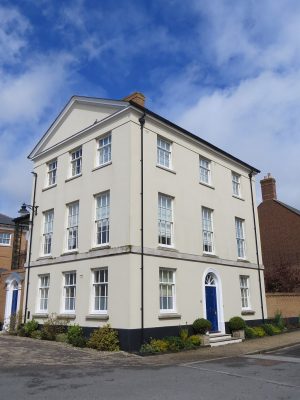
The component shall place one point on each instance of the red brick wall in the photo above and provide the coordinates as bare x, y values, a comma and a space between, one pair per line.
280, 235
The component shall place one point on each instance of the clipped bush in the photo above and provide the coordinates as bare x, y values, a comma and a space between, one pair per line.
249, 332
52, 327
201, 326
36, 334
30, 327
236, 324
61, 338
259, 331
104, 339
75, 336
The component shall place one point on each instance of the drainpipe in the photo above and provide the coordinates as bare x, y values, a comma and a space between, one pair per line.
256, 245
142, 123
33, 211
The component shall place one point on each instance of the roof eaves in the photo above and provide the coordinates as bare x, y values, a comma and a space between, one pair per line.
195, 137
292, 209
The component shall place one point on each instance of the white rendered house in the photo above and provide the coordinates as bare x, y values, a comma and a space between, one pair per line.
140, 224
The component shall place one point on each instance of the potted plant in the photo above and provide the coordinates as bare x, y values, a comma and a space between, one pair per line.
237, 327
201, 327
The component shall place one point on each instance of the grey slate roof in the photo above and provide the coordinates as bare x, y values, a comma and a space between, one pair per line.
294, 210
5, 220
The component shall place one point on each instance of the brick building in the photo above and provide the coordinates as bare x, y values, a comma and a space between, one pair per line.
13, 245
280, 240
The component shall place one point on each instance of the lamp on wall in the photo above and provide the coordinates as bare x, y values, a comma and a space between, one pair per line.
23, 210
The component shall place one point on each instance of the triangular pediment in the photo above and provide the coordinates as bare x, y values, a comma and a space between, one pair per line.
78, 114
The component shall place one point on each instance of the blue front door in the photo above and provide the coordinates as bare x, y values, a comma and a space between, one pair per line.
211, 307
14, 302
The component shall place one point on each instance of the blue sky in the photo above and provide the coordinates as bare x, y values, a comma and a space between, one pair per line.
228, 71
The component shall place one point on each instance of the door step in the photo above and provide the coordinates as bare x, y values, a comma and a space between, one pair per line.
220, 339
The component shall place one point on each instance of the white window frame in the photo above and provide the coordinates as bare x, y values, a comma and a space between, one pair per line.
208, 231
245, 292
164, 153
72, 225
5, 239
69, 292
165, 220
47, 232
43, 297
76, 162
102, 218
100, 285
205, 170
240, 237
167, 289
104, 150
52, 172
236, 184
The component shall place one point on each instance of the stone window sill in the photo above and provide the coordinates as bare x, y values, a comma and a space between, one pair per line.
207, 185
101, 166
68, 253
39, 315
210, 255
49, 187
73, 177
167, 248
106, 246
97, 317
238, 197
248, 312
166, 169
169, 316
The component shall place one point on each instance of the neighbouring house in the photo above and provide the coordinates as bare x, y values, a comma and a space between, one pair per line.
280, 241
141, 224
13, 248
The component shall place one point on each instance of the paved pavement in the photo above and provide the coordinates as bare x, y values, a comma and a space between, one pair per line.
31, 369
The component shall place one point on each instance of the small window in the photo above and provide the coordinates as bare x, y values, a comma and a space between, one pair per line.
52, 169
72, 229
167, 290
236, 184
100, 290
76, 162
69, 291
102, 218
44, 283
165, 220
164, 153
104, 150
245, 294
240, 237
5, 239
205, 171
207, 230
48, 232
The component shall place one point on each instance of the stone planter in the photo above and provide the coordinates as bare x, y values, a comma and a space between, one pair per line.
204, 339
240, 334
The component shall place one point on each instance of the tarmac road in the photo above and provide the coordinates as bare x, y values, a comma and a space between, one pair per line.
43, 370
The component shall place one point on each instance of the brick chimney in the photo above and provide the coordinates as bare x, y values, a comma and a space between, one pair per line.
268, 188
137, 97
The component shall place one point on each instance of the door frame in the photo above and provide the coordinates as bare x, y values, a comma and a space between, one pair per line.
13, 282
220, 307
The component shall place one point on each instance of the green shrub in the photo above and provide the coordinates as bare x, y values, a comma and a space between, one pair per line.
175, 343
271, 329
184, 334
201, 326
147, 349
278, 320
61, 337
236, 324
104, 339
21, 331
37, 334
259, 331
30, 327
249, 332
195, 339
75, 336
52, 327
